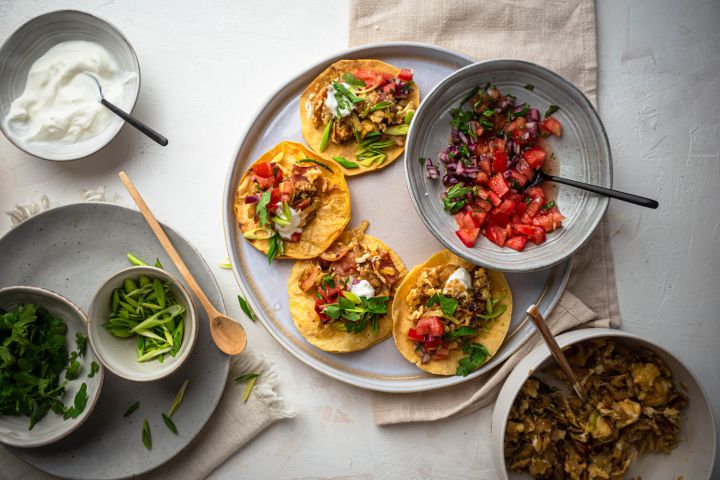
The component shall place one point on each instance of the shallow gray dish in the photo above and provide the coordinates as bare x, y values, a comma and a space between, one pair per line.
382, 199
37, 36
14, 430
72, 250
583, 153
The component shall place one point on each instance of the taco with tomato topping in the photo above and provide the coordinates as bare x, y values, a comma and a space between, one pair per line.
450, 316
358, 112
291, 203
340, 301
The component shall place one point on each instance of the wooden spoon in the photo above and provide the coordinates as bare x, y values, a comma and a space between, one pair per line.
227, 334
539, 322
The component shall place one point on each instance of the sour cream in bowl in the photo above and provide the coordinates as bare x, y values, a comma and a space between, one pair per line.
49, 101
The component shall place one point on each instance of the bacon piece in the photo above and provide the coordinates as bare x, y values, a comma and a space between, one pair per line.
345, 266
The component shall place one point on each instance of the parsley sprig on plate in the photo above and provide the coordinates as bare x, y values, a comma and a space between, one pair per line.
353, 314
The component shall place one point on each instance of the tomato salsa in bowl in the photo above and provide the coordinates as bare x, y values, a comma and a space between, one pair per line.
474, 148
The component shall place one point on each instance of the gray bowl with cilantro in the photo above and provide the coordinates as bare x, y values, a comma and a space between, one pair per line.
142, 323
50, 377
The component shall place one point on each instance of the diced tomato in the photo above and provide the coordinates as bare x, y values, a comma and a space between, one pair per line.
429, 326
494, 199
520, 208
514, 197
263, 182
368, 76
481, 178
534, 156
263, 169
278, 174
524, 169
479, 218
499, 185
548, 221
468, 236
295, 237
507, 207
413, 335
465, 220
535, 206
484, 204
481, 193
286, 187
550, 126
496, 234
386, 78
405, 74
496, 217
485, 166
389, 88
515, 124
521, 136
433, 343
517, 242
274, 196
536, 192
499, 161
534, 234
519, 177
497, 144
479, 131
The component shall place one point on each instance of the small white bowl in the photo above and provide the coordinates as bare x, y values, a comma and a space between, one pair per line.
119, 355
694, 456
14, 430
31, 41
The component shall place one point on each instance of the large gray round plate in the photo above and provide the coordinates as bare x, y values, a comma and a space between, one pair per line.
72, 250
381, 198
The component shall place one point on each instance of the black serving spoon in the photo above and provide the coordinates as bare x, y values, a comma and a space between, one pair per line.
608, 192
149, 132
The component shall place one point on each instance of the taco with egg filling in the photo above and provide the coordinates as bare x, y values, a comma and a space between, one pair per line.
291, 203
340, 301
358, 112
450, 316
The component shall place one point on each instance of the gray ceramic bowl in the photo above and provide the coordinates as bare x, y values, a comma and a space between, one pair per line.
14, 430
694, 457
119, 355
31, 41
583, 152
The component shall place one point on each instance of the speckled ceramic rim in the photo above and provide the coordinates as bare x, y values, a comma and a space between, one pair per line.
541, 354
163, 369
136, 94
549, 298
485, 258
94, 395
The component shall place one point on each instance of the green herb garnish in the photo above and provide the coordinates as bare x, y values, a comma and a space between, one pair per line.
345, 162
353, 81
319, 164
376, 107
529, 87
250, 378
327, 281
146, 437
131, 409
94, 367
261, 208
276, 247
493, 308
78, 403
548, 206
356, 313
171, 426
551, 109
522, 112
178, 398
245, 307
81, 343
448, 305
456, 197
460, 333
470, 95
477, 354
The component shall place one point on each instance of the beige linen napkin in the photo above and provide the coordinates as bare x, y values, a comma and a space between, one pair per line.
233, 424
559, 35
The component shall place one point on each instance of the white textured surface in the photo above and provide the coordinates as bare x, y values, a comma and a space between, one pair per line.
207, 68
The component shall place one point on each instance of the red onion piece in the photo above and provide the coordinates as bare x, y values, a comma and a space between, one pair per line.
251, 199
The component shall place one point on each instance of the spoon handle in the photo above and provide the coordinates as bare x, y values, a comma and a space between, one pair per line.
608, 192
547, 335
167, 244
152, 134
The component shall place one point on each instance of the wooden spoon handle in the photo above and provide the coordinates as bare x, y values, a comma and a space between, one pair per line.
167, 245
539, 322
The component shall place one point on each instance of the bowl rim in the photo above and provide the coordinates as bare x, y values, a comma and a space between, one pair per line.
541, 354
463, 252
192, 318
92, 398
136, 93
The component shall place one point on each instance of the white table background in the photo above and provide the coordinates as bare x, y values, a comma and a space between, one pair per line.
208, 66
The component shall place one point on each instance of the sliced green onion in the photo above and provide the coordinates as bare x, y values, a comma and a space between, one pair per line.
345, 163
259, 233
401, 129
326, 135
319, 164
178, 398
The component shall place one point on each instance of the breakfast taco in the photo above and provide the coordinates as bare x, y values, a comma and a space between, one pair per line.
450, 316
340, 301
358, 112
292, 204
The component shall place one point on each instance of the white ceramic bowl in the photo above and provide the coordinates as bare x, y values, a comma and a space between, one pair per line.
583, 154
37, 36
119, 355
693, 458
14, 430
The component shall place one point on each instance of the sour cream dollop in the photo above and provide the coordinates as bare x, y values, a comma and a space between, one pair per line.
287, 231
60, 103
460, 275
363, 289
332, 104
